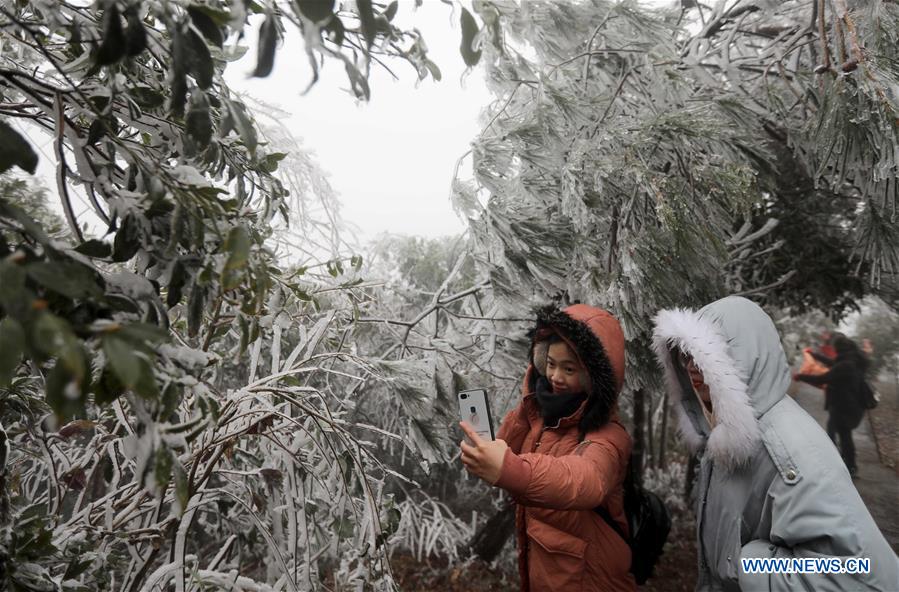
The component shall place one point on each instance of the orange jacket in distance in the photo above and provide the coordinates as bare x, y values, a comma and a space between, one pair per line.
557, 477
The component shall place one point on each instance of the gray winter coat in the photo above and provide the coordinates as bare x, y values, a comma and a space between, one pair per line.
771, 482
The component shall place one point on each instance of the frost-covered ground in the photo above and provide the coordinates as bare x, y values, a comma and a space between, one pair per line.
877, 484
885, 423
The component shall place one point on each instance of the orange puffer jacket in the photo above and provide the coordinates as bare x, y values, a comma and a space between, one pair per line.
559, 475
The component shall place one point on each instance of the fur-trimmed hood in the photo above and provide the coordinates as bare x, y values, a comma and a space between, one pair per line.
597, 339
737, 348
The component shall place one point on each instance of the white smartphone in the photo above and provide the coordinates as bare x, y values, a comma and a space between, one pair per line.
474, 408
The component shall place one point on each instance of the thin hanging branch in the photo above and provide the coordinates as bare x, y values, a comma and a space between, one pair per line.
596, 31
857, 52
822, 35
62, 169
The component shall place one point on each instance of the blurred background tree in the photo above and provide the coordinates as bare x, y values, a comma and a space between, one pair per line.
879, 323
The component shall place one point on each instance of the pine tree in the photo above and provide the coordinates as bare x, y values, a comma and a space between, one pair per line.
639, 159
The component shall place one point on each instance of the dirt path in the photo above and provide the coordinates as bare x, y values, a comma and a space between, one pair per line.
878, 485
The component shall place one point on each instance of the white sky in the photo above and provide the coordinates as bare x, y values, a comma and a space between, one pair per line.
390, 160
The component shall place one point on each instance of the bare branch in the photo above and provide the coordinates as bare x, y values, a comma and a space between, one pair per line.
62, 170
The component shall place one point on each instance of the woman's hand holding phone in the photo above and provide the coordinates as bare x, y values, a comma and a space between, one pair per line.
483, 458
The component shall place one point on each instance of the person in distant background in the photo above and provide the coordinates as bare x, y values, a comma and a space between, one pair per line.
842, 394
826, 348
867, 347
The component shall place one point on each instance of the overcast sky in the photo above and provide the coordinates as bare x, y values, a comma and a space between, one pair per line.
391, 159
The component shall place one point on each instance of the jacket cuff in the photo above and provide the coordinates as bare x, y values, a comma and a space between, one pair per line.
515, 475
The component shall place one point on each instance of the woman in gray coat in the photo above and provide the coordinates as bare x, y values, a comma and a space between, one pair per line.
771, 483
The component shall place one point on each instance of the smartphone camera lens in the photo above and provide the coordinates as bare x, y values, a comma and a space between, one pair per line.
463, 396
474, 410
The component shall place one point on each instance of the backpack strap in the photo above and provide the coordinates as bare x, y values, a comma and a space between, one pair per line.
627, 487
604, 514
627, 484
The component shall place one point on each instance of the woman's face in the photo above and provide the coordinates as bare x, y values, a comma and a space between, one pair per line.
563, 369
696, 379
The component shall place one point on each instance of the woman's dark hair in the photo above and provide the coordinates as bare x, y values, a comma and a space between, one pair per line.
847, 349
541, 349
842, 344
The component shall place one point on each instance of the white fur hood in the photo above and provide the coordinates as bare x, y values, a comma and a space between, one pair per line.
737, 348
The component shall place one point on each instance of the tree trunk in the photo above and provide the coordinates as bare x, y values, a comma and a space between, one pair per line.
489, 540
663, 437
639, 438
650, 460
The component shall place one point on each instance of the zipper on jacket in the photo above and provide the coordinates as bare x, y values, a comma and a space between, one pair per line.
540, 437
705, 499
579, 451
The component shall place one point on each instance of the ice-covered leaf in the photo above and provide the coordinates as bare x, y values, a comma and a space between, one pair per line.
195, 307
221, 18
243, 124
127, 239
68, 278
50, 334
13, 212
95, 248
135, 34
199, 119
335, 30
316, 10
147, 97
189, 175
176, 284
470, 55
113, 44
78, 566
434, 70
78, 426
237, 245
391, 9
123, 359
367, 21
182, 488
131, 367
107, 388
268, 42
162, 469
15, 150
142, 334
199, 60
64, 393
270, 161
12, 346
207, 25
12, 285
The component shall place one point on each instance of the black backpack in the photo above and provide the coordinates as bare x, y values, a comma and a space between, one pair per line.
866, 396
649, 524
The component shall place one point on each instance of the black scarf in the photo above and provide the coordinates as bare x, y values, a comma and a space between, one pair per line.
554, 407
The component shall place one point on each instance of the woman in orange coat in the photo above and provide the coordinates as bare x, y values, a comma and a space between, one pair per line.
562, 453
